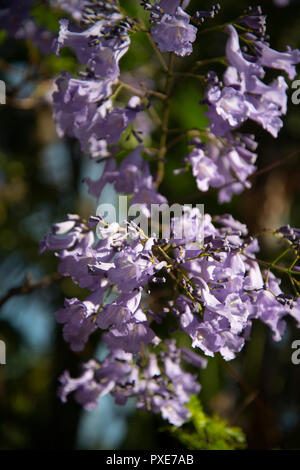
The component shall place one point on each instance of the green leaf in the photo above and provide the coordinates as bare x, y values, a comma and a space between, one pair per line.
203, 432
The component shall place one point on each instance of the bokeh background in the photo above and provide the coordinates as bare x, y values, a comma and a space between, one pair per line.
41, 180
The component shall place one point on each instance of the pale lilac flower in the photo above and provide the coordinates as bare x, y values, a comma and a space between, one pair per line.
285, 61
174, 33
204, 170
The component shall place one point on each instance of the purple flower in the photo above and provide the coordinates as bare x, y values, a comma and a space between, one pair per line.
166, 392
230, 223
172, 410
130, 340
174, 33
74, 7
109, 175
84, 382
133, 173
76, 100
97, 379
244, 95
237, 59
204, 170
105, 124
64, 235
225, 164
285, 61
133, 268
79, 321
228, 109
119, 313
170, 6
92, 48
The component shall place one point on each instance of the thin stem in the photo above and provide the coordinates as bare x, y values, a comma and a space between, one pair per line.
179, 138
274, 263
273, 266
292, 281
214, 28
154, 46
220, 60
275, 165
191, 75
164, 123
141, 91
154, 115
117, 91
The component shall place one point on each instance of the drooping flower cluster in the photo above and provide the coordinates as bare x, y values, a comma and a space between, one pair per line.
82, 106
218, 290
133, 177
227, 161
223, 163
244, 94
157, 381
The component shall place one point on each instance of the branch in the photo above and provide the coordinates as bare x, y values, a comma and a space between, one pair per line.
142, 91
164, 126
28, 286
275, 165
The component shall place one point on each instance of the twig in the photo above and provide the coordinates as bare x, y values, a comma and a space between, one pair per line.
154, 46
187, 134
141, 91
244, 385
275, 165
250, 398
214, 28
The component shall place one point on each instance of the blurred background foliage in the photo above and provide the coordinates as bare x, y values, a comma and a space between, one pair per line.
41, 180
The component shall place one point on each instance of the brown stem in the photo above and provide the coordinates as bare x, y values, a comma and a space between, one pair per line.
154, 46
275, 165
164, 123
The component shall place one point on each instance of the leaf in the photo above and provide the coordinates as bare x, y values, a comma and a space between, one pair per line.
203, 432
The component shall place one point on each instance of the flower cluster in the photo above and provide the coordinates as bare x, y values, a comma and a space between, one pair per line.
202, 283
172, 29
217, 291
83, 107
242, 95
223, 163
133, 177
157, 381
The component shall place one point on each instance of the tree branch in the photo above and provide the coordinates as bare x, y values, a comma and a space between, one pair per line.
28, 286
